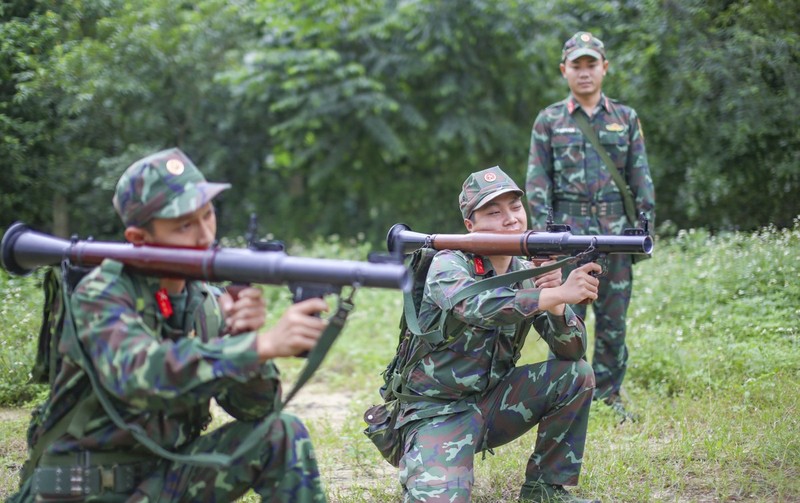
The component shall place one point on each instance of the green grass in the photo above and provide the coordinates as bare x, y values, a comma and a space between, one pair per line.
714, 338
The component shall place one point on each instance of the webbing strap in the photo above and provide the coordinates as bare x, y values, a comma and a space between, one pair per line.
326, 340
96, 458
43, 442
589, 132
437, 336
412, 317
506, 280
255, 437
138, 433
314, 359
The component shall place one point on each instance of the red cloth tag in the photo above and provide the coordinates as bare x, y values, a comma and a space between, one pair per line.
164, 305
479, 266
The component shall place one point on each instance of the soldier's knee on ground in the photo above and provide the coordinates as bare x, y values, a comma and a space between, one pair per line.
437, 483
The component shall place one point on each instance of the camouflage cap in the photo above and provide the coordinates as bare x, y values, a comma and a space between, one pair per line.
481, 187
583, 44
166, 184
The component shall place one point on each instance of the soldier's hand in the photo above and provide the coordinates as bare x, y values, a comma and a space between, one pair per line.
246, 312
580, 285
550, 279
296, 332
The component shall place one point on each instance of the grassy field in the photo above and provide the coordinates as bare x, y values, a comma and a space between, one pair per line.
714, 337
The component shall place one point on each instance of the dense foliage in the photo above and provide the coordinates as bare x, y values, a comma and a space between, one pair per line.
348, 116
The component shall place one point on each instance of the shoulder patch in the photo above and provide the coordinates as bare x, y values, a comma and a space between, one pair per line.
479, 269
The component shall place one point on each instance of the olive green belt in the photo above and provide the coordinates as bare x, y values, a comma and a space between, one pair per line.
85, 474
597, 209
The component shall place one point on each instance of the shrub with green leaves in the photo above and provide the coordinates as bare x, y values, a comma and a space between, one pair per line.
716, 311
20, 310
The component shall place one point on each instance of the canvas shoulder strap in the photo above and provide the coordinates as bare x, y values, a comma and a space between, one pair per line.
589, 132
211, 459
438, 335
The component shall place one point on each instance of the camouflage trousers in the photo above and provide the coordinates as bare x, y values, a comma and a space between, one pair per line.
439, 452
282, 468
610, 360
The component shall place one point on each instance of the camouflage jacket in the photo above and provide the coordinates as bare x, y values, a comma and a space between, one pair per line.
161, 374
456, 373
563, 165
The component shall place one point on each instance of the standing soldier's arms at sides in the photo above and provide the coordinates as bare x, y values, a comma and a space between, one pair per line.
577, 145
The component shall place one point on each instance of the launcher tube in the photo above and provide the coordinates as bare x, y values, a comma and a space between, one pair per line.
530, 243
24, 250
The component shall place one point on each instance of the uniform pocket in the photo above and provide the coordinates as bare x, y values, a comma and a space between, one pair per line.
380, 430
568, 163
616, 144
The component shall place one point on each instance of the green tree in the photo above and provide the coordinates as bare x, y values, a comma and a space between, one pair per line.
381, 109
123, 79
27, 34
715, 85
345, 117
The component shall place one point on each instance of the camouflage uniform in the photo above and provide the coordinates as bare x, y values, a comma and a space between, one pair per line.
161, 374
565, 172
472, 397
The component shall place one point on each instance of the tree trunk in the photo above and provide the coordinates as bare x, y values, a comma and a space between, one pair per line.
60, 216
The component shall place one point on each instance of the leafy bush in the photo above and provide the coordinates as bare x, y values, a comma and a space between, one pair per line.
716, 311
20, 308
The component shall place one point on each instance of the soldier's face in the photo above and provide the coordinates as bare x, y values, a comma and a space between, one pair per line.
585, 75
193, 230
504, 213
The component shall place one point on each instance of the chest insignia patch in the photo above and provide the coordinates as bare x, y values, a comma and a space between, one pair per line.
565, 130
615, 127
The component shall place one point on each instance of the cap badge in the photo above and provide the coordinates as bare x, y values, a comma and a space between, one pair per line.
490, 177
586, 37
615, 127
175, 167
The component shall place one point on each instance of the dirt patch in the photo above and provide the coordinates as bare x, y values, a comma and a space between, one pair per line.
14, 414
315, 402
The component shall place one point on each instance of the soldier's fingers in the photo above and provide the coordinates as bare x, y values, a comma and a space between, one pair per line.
310, 306
225, 302
249, 311
592, 267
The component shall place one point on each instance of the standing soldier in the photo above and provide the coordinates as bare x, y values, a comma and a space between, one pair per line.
588, 164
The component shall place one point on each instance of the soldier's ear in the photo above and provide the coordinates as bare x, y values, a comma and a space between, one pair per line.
469, 224
135, 235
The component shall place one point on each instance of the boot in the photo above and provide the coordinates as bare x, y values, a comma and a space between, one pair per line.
536, 492
618, 406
